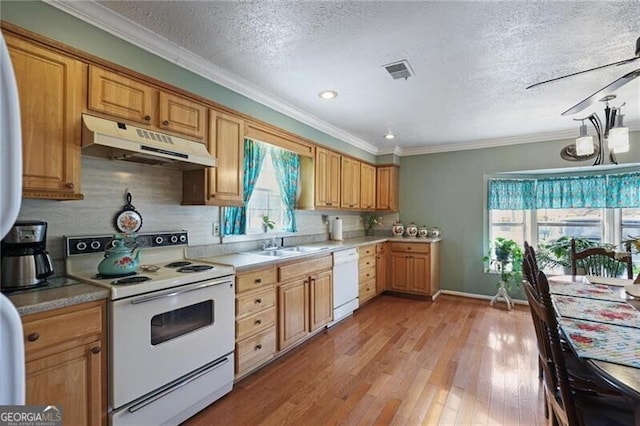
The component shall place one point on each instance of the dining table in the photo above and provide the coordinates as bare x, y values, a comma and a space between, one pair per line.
600, 317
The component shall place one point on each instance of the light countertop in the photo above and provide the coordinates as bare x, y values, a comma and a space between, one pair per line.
60, 293
244, 261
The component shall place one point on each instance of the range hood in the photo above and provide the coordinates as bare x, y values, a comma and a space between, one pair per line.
121, 141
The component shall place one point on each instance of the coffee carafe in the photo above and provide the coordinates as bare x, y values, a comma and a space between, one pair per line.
25, 261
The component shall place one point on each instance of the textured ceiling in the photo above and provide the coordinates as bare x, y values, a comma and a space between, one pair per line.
472, 61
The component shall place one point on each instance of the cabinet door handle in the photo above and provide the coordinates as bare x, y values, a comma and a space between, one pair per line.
96, 350
258, 322
258, 346
33, 337
69, 185
258, 301
258, 280
147, 118
165, 122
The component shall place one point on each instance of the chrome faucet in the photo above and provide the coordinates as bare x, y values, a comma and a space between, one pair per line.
270, 244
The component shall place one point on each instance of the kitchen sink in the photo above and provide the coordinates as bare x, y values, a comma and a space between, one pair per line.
273, 253
287, 251
302, 249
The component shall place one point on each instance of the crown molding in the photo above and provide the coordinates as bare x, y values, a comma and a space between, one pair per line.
386, 150
105, 19
499, 142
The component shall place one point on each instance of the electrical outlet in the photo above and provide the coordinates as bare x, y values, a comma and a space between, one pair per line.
216, 229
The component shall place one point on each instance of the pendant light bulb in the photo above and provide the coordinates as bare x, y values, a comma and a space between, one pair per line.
618, 139
584, 143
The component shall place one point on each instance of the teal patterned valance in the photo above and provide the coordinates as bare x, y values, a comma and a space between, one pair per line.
511, 194
623, 190
596, 191
571, 192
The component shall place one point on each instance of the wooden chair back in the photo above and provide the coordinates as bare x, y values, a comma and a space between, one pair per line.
530, 265
601, 261
558, 389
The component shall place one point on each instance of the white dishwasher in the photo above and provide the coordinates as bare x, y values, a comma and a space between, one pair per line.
345, 284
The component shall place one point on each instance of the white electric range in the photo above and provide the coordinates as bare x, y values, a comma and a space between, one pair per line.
171, 328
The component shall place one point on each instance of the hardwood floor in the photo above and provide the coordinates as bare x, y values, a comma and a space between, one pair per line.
455, 361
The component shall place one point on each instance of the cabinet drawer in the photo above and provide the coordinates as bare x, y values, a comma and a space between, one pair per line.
414, 248
366, 290
367, 273
255, 350
248, 326
255, 279
381, 248
60, 326
365, 262
255, 302
305, 267
367, 251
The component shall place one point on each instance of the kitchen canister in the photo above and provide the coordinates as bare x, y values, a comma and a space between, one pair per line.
423, 232
435, 233
397, 229
336, 229
412, 230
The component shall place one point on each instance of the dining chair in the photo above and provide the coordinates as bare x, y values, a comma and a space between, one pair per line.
601, 261
569, 405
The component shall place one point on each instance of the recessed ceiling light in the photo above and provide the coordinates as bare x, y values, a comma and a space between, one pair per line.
389, 135
328, 94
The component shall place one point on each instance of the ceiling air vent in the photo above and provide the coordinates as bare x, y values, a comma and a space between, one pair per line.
399, 70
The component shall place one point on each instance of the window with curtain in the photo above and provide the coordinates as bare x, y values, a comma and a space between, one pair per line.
602, 208
270, 189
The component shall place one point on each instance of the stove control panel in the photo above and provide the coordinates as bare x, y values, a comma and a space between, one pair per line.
99, 243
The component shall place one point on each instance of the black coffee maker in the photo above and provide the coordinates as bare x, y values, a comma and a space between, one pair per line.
25, 261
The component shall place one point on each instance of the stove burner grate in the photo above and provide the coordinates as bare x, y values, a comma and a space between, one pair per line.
177, 264
195, 268
131, 280
100, 276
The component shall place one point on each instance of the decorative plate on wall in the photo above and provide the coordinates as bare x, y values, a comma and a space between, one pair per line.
128, 220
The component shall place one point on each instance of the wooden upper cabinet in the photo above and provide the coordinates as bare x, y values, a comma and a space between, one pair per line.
120, 96
387, 188
327, 178
226, 143
221, 185
52, 93
367, 186
350, 188
181, 115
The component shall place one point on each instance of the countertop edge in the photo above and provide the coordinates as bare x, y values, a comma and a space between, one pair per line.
49, 299
245, 261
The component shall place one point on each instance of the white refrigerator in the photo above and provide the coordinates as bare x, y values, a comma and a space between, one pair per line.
12, 374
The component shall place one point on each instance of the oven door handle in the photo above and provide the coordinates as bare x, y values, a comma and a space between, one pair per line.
177, 292
195, 375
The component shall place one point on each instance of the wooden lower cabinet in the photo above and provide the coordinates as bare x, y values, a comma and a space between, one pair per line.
305, 299
321, 302
65, 362
382, 267
255, 319
293, 312
415, 268
366, 272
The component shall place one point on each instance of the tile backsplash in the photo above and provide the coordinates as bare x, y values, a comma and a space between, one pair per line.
156, 194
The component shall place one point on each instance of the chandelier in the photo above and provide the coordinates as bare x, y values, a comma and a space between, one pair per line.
611, 133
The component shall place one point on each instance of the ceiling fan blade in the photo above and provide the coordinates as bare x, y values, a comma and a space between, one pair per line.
626, 61
605, 91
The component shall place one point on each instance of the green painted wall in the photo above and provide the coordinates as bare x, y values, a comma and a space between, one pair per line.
53, 23
448, 190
